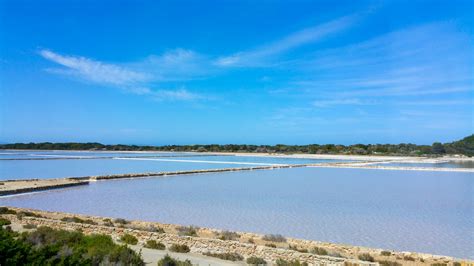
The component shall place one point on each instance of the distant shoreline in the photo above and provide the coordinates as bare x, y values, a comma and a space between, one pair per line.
404, 158
462, 147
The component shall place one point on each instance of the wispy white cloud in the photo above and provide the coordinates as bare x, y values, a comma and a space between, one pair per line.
136, 78
341, 101
178, 64
180, 94
437, 102
431, 59
260, 56
94, 70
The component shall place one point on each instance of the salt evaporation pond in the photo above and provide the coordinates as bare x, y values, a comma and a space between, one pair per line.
452, 164
419, 211
19, 169
14, 154
125, 163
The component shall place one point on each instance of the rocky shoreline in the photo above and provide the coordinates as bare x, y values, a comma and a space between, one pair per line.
204, 240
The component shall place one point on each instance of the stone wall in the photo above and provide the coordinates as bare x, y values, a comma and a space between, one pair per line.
197, 244
246, 244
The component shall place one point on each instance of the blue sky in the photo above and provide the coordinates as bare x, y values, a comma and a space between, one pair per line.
256, 72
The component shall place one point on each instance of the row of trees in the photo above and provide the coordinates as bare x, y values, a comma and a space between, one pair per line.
464, 147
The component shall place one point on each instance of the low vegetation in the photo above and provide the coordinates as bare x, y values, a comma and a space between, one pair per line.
129, 239
282, 262
388, 263
385, 253
274, 238
108, 222
121, 221
225, 256
296, 248
169, 261
47, 246
187, 230
29, 226
319, 251
151, 228
75, 219
366, 257
5, 210
155, 245
256, 261
228, 235
270, 245
22, 214
4, 221
155, 229
180, 248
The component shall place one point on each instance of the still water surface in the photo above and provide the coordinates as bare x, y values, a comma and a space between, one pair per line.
123, 164
453, 164
421, 211
17, 169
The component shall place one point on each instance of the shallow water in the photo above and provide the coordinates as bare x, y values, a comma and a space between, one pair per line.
402, 210
453, 164
265, 160
18, 169
4, 154
126, 163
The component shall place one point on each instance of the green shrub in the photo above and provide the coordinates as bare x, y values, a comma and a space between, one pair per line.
46, 246
187, 230
129, 239
108, 222
180, 248
225, 256
121, 221
439, 264
409, 258
456, 263
282, 262
319, 251
228, 235
251, 241
22, 214
169, 261
366, 257
5, 210
29, 226
124, 256
274, 238
385, 253
270, 245
389, 263
4, 221
155, 245
155, 229
295, 248
75, 219
256, 261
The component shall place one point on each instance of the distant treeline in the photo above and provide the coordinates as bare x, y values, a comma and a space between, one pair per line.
464, 147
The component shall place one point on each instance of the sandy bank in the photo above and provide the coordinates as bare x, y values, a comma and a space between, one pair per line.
10, 187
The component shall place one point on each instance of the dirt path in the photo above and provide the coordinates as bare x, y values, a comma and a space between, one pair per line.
152, 256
